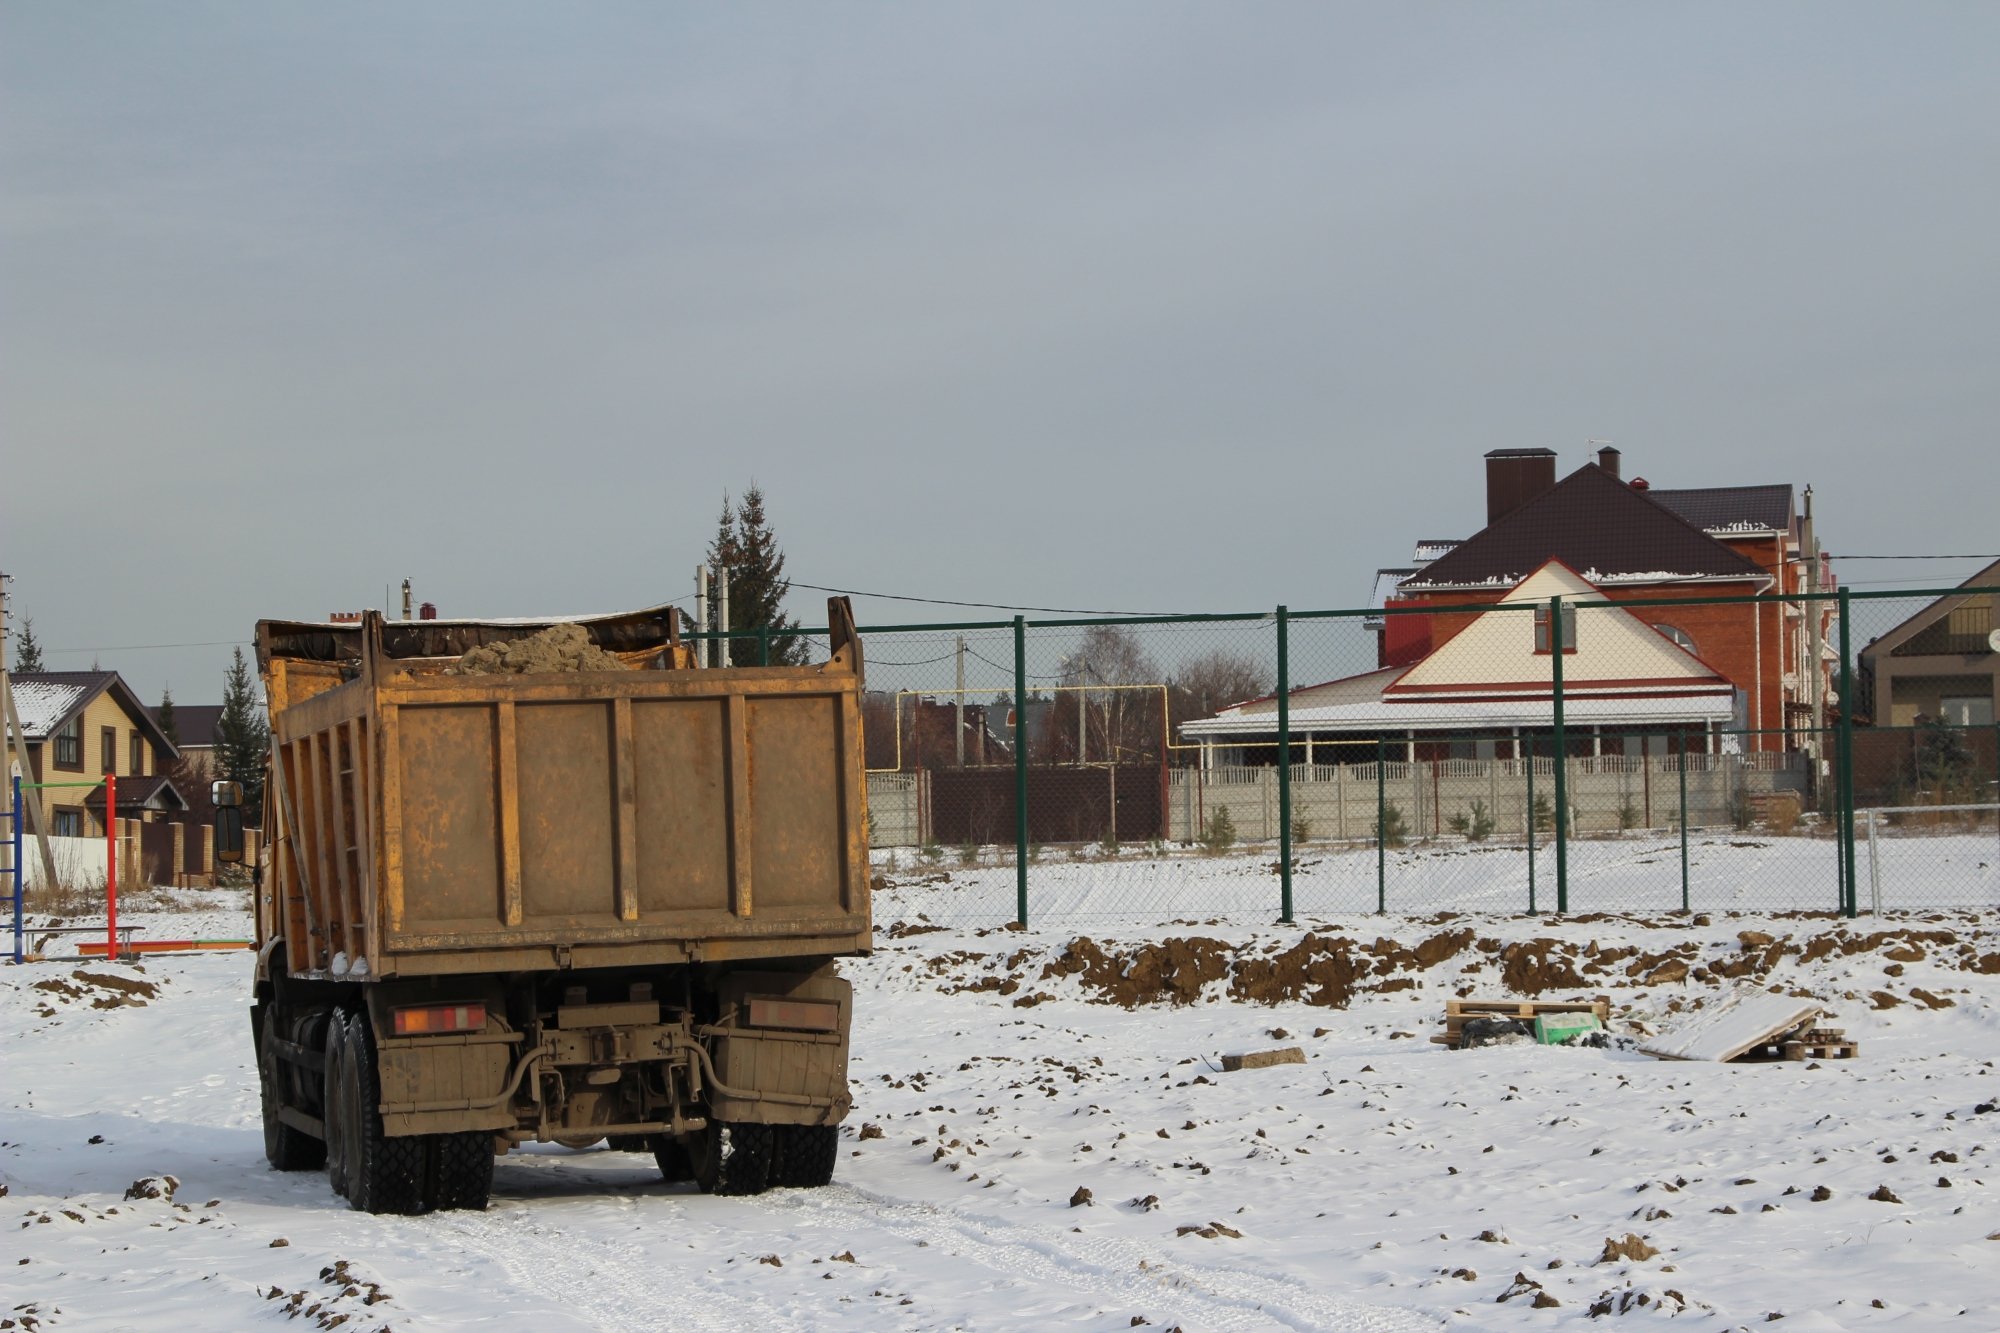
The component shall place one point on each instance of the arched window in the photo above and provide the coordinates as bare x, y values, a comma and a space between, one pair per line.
1678, 635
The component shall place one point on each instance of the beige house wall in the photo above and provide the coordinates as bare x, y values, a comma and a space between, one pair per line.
103, 711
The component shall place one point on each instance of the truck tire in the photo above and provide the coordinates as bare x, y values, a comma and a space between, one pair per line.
805, 1155
384, 1174
339, 1141
286, 1148
462, 1169
733, 1158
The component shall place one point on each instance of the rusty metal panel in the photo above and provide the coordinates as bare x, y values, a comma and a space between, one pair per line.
797, 839
568, 848
541, 820
681, 819
448, 761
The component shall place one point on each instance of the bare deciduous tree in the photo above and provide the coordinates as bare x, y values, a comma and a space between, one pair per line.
1206, 685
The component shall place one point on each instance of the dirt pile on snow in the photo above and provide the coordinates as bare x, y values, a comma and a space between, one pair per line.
1319, 969
556, 649
1168, 972
103, 990
1332, 970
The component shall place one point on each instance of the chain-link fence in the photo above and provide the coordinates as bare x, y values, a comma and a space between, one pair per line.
1552, 750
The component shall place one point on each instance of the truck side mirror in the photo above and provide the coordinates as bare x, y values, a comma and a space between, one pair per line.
224, 794
228, 832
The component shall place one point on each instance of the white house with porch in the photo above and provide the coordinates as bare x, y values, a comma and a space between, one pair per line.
1626, 688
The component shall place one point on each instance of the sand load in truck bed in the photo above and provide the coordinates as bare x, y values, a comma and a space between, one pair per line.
557, 648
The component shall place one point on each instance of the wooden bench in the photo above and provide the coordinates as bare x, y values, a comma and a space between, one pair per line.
38, 937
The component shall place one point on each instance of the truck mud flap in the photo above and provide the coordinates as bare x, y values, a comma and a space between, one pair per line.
778, 1053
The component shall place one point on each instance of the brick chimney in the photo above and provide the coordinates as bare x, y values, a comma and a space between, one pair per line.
1607, 459
1514, 477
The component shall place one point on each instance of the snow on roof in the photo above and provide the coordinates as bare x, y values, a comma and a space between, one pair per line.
1430, 548
43, 703
1487, 715
1385, 586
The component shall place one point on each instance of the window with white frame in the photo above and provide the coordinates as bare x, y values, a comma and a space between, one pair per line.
1682, 639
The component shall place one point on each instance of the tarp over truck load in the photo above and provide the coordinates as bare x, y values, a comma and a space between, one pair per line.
432, 822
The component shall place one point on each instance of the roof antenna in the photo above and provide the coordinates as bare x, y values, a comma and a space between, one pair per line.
1607, 454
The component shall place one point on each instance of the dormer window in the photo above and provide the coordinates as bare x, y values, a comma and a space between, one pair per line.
1542, 629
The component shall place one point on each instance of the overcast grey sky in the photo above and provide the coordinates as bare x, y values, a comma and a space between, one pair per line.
1129, 306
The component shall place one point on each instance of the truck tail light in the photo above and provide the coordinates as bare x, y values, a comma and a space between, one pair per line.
807, 1015
427, 1019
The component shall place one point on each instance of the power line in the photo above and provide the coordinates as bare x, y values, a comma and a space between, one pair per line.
1830, 555
141, 647
990, 606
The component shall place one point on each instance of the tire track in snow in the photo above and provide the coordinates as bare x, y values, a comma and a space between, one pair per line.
616, 1286
1111, 1270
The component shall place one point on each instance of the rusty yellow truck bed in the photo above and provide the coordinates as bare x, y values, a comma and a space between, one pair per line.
428, 822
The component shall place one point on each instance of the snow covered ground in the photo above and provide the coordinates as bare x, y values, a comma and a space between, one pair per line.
1386, 1183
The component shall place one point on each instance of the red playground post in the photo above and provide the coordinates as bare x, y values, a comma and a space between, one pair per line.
111, 865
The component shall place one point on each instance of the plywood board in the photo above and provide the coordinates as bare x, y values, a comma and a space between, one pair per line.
1746, 1017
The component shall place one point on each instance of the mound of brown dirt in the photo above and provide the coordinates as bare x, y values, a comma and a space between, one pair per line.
558, 648
1170, 971
1319, 969
1533, 966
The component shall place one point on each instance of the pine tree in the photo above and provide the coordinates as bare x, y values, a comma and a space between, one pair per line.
28, 652
242, 740
165, 717
745, 546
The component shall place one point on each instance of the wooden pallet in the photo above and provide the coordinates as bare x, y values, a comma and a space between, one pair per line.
1806, 1044
1458, 1012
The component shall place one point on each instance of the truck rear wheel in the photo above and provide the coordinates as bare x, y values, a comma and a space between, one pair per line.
806, 1155
384, 1174
339, 1142
462, 1169
286, 1148
733, 1158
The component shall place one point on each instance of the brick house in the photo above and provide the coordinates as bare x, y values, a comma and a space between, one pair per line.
1634, 544
77, 727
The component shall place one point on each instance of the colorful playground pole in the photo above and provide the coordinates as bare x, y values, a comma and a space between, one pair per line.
111, 865
16, 832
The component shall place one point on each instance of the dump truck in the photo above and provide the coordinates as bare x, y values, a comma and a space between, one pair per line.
553, 881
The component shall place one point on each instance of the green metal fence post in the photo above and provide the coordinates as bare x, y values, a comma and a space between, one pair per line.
1684, 822
763, 645
1845, 756
1562, 756
1381, 826
1284, 772
1021, 770
1531, 823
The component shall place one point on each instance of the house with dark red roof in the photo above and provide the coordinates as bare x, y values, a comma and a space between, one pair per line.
77, 728
1635, 545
